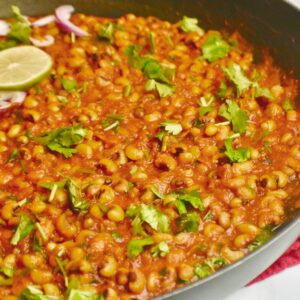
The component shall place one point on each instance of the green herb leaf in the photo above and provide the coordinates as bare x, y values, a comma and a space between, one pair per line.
171, 127
158, 76
107, 32
152, 43
188, 222
61, 139
190, 25
163, 89
149, 214
222, 89
214, 47
26, 225
261, 238
49, 185
205, 110
77, 203
34, 293
235, 115
69, 85
287, 105
112, 122
263, 92
117, 236
236, 75
188, 197
84, 295
13, 156
156, 192
236, 155
136, 246
208, 266
7, 271
20, 30
161, 249
63, 271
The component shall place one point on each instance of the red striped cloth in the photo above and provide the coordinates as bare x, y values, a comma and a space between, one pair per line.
290, 258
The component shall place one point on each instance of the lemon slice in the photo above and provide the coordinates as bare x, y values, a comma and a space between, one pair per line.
22, 67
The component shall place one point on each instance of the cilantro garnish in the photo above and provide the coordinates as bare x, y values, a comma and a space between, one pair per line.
208, 266
13, 156
236, 155
261, 238
147, 214
205, 110
158, 77
238, 117
77, 203
214, 47
61, 139
112, 122
188, 222
25, 226
190, 25
169, 127
20, 29
236, 75
152, 43
161, 249
185, 198
136, 246
262, 92
106, 32
69, 85
33, 292
222, 89
287, 105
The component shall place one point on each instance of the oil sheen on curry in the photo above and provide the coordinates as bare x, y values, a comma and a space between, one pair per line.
149, 156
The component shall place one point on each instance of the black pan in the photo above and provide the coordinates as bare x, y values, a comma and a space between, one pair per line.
272, 24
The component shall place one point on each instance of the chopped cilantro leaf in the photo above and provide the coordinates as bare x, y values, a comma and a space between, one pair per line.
261, 238
188, 197
287, 105
69, 85
188, 222
112, 122
238, 117
236, 155
171, 127
34, 293
190, 25
148, 214
13, 156
157, 193
163, 89
222, 89
7, 271
158, 77
116, 236
262, 92
136, 246
214, 47
20, 29
205, 110
77, 203
152, 43
236, 75
61, 139
106, 32
25, 226
161, 249
208, 266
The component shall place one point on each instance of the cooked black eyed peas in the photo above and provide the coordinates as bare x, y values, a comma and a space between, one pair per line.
152, 155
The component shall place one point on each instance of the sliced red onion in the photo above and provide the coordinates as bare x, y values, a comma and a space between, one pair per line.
63, 14
43, 21
47, 41
4, 28
7, 99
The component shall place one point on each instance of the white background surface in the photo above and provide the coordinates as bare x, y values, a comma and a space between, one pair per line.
283, 286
